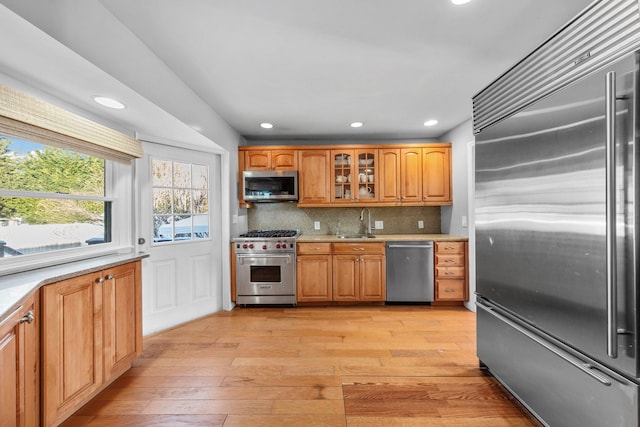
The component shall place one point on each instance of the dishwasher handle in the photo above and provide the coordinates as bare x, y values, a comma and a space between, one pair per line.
427, 245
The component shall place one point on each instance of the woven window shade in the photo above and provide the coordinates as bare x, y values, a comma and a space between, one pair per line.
31, 119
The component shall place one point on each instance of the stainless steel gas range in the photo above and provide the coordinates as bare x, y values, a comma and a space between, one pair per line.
266, 267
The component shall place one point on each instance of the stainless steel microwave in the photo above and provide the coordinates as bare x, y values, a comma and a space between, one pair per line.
270, 186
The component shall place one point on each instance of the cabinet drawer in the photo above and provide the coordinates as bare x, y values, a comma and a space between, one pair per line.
450, 247
450, 272
450, 290
450, 260
313, 248
357, 248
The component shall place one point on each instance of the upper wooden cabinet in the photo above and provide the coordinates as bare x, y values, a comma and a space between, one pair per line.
353, 174
416, 176
411, 175
367, 175
276, 159
436, 175
314, 177
389, 175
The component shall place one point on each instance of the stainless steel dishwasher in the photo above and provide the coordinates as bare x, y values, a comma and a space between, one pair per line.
409, 271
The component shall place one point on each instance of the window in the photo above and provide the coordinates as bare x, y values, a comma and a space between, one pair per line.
50, 199
180, 201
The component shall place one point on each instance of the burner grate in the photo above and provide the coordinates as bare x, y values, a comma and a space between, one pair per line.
270, 233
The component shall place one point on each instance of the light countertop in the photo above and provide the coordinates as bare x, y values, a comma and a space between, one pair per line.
381, 238
15, 288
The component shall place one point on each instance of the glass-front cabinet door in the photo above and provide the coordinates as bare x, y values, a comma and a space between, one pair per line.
366, 168
342, 176
354, 176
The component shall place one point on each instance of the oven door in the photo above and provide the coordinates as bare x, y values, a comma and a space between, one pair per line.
265, 274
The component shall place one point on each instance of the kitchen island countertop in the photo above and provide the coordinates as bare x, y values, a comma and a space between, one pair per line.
310, 238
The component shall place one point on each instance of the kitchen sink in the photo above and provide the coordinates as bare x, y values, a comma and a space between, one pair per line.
355, 236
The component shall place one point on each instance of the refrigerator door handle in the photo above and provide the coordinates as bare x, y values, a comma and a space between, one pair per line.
581, 365
611, 279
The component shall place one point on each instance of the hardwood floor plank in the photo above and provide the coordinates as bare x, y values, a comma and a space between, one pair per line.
345, 366
315, 420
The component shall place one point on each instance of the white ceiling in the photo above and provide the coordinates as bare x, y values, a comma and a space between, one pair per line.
311, 67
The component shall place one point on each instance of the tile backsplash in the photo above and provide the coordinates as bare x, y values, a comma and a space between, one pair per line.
396, 220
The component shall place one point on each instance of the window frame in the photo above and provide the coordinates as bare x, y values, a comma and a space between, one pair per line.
118, 190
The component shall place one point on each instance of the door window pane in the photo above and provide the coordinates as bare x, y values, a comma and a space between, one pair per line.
180, 201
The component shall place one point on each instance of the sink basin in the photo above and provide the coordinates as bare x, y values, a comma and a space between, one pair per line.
355, 236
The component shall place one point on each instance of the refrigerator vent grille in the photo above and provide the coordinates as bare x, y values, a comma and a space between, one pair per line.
601, 34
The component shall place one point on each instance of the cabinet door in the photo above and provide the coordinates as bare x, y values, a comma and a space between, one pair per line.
344, 188
411, 173
257, 160
284, 160
436, 175
373, 278
345, 277
71, 345
366, 168
19, 379
121, 302
11, 405
389, 175
314, 278
314, 177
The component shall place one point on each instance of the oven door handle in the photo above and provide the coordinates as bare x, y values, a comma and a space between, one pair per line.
241, 258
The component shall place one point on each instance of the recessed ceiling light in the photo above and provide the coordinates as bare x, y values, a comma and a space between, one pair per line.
266, 125
431, 122
356, 124
460, 2
109, 102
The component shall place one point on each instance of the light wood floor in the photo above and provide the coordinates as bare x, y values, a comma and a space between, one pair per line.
320, 366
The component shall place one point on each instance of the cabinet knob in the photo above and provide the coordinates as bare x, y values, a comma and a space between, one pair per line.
28, 317
100, 280
109, 277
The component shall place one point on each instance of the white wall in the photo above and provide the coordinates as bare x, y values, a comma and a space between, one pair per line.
462, 143
452, 216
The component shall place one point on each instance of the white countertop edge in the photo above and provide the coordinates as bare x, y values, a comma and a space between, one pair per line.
15, 288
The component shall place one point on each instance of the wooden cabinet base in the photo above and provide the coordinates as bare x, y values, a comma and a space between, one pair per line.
91, 333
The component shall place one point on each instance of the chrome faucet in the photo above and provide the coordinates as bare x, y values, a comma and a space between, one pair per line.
369, 232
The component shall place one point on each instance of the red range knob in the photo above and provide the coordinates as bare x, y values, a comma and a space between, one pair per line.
278, 246
264, 247
245, 246
251, 246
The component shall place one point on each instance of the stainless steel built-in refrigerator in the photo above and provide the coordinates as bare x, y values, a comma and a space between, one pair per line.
557, 179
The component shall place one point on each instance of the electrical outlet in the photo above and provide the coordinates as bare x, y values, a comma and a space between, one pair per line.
316, 225
234, 218
464, 221
379, 225
421, 224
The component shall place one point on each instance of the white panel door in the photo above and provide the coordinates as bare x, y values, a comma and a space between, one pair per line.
179, 205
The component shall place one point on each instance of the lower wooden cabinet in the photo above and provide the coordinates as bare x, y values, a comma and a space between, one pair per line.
314, 272
341, 272
451, 282
91, 333
19, 373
